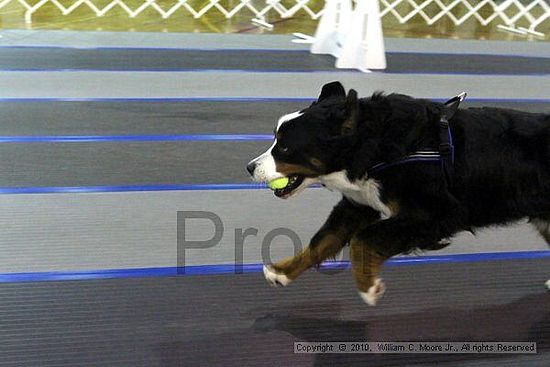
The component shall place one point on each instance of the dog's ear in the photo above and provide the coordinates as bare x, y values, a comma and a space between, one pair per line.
332, 89
352, 105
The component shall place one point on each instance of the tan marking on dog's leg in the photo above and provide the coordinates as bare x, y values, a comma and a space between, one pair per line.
285, 271
542, 225
366, 264
394, 208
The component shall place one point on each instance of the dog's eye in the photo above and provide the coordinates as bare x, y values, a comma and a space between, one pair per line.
282, 149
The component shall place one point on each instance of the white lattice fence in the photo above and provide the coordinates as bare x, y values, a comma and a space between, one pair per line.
528, 13
508, 12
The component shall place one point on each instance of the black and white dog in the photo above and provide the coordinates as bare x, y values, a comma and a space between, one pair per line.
412, 173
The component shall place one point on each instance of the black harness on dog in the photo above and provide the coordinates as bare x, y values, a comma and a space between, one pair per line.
445, 153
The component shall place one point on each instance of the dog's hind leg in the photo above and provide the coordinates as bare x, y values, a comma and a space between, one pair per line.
373, 245
542, 225
365, 266
344, 219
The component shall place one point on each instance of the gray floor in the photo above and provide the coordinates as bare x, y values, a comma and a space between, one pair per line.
246, 42
101, 223
229, 320
116, 59
238, 320
94, 231
228, 84
148, 117
116, 163
131, 117
132, 163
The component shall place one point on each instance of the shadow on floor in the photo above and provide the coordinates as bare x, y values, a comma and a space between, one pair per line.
527, 319
268, 338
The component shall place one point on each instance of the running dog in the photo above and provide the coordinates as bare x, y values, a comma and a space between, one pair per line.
412, 172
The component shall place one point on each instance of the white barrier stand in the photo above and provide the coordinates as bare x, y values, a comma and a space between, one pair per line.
302, 38
354, 37
332, 28
364, 46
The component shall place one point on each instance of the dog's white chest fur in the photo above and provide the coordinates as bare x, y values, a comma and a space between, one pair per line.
364, 192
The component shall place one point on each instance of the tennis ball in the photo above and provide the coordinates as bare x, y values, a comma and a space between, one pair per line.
278, 183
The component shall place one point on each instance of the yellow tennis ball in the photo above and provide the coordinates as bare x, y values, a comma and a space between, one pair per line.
278, 183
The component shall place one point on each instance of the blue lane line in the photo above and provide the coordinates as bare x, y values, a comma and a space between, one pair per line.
133, 138
188, 70
129, 188
153, 49
163, 100
255, 268
242, 99
465, 73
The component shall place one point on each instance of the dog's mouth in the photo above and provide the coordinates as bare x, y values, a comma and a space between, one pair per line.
294, 182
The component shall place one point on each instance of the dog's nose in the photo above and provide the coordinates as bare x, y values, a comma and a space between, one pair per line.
250, 167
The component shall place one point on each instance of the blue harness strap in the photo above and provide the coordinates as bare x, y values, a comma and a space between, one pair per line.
446, 151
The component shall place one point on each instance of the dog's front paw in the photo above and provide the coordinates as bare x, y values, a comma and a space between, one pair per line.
374, 293
274, 278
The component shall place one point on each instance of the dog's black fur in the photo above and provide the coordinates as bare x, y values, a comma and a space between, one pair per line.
501, 167
500, 174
